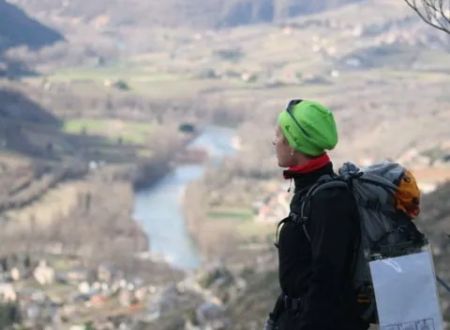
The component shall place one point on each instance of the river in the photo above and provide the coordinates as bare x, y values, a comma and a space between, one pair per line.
159, 208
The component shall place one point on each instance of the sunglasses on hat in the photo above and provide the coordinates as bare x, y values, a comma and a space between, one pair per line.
290, 109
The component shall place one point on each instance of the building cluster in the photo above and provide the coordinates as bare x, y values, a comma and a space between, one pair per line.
61, 293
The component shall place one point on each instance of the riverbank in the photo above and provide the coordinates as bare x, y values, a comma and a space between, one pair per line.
146, 172
80, 215
76, 207
81, 229
161, 209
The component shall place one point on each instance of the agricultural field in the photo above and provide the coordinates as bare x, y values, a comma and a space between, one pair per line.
114, 130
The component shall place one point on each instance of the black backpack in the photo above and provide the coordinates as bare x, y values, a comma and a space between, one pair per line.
387, 199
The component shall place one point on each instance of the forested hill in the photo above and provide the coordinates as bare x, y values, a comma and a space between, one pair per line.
17, 28
204, 13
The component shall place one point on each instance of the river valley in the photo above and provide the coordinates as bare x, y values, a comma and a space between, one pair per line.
158, 208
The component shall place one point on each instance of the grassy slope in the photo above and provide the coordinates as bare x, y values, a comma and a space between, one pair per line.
112, 129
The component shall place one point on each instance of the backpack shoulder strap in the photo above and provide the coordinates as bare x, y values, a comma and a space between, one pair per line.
301, 213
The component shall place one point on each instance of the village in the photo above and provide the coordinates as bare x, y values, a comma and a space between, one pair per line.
58, 292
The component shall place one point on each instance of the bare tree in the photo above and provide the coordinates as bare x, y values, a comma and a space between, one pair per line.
434, 12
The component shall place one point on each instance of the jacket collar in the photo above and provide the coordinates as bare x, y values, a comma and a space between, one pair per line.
303, 180
311, 166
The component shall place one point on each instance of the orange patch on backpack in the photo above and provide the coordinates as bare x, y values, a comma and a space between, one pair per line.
407, 195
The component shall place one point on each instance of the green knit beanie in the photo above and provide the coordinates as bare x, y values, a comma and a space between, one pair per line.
309, 128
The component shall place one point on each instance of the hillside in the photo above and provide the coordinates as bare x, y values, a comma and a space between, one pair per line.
19, 29
16, 28
15, 106
106, 110
349, 58
203, 13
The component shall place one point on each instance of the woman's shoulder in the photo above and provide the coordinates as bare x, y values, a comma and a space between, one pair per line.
333, 202
336, 194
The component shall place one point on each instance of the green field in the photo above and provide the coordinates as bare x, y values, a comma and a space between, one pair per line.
113, 129
111, 73
231, 214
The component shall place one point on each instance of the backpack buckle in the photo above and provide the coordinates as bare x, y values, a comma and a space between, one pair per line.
294, 304
301, 220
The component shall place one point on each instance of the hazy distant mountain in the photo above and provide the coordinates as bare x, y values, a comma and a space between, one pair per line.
205, 13
239, 12
16, 28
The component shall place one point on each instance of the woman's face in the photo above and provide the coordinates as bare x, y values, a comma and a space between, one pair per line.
283, 151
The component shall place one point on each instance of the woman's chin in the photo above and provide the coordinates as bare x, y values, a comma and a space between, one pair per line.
283, 164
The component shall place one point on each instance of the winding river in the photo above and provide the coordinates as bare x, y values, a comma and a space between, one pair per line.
159, 208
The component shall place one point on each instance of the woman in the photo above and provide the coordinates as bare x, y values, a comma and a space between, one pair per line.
315, 260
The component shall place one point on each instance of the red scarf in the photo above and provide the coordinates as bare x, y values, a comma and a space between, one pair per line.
309, 167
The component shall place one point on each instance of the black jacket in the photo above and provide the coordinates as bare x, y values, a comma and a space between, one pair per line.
319, 271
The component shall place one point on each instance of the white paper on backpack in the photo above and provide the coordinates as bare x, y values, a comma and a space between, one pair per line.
406, 293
